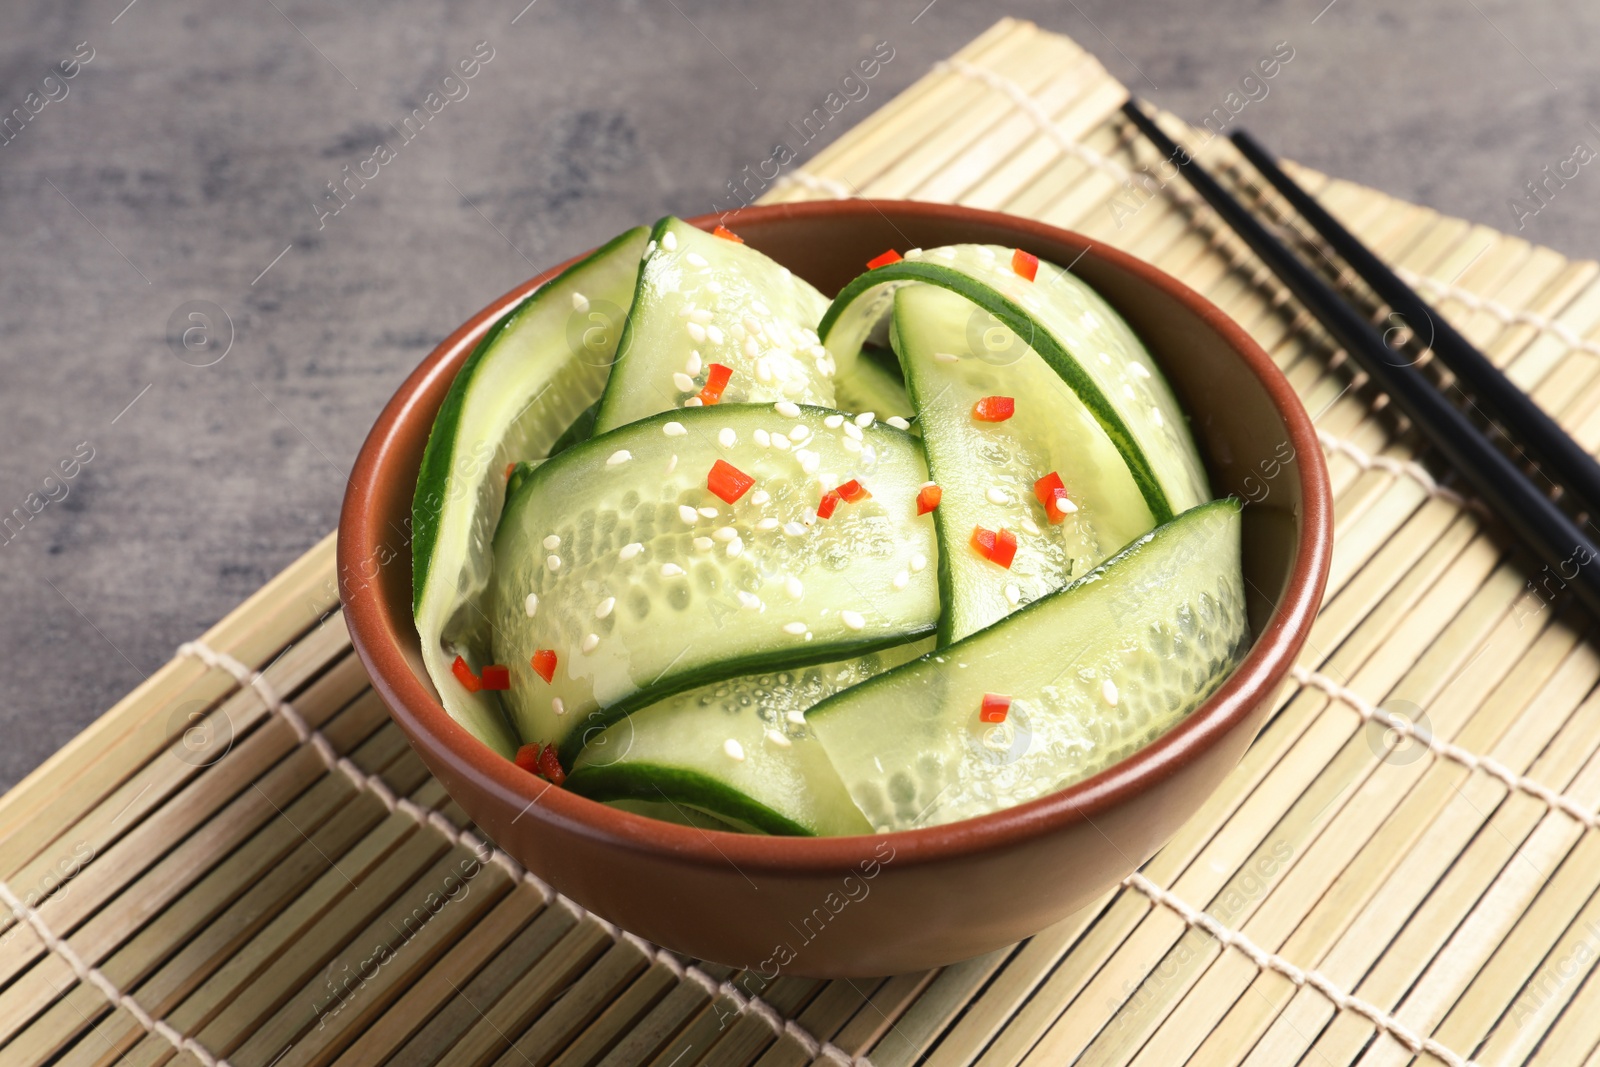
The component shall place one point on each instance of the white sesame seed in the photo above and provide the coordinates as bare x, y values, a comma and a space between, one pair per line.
792, 586
602, 609
764, 369
1065, 505
558, 705
809, 460
688, 515
1029, 526
918, 562
703, 544
1013, 595
780, 441
852, 431
590, 643
693, 402
671, 570
713, 286
696, 258
692, 365
715, 334
752, 349
700, 315
996, 495
946, 357
672, 463
735, 547
793, 529
531, 605
750, 600
902, 579
669, 241
709, 513
897, 422
674, 429
852, 620
914, 253
759, 497
682, 382
864, 419
778, 738
833, 422
726, 437
1138, 370
733, 749
697, 332
1108, 692
725, 533
797, 717
581, 302
763, 438
751, 324
552, 542
553, 562
649, 250
788, 409
794, 628
800, 432
629, 551
621, 455
768, 523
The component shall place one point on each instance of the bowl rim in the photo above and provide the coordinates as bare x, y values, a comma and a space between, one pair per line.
378, 644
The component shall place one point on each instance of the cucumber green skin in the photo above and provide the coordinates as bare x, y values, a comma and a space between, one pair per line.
931, 702
646, 781
580, 725
439, 454
582, 429
1042, 341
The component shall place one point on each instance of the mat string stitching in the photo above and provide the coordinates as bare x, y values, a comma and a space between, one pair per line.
487, 853
1403, 467
1513, 781
1271, 961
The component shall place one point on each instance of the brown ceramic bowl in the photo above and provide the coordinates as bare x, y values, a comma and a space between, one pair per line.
889, 903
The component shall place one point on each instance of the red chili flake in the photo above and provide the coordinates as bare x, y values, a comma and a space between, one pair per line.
528, 758
464, 675
728, 482
496, 677
883, 260
550, 766
544, 663
995, 707
509, 468
727, 235
1051, 494
1025, 264
994, 409
996, 546
928, 498
717, 377
853, 491
830, 500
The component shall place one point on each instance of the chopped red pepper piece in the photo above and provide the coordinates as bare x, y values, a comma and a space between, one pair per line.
728, 482
996, 546
464, 675
1025, 264
891, 256
509, 468
928, 498
496, 677
528, 758
550, 766
544, 663
994, 708
727, 235
853, 491
983, 542
1053, 495
830, 501
717, 377
994, 408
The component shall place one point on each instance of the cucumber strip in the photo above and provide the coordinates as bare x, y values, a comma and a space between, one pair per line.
872, 385
738, 750
582, 429
648, 584
532, 373
1076, 332
1094, 672
987, 470
704, 300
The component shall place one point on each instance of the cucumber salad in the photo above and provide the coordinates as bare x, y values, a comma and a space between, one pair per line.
694, 541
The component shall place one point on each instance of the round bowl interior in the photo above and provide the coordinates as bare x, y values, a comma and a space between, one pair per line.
896, 902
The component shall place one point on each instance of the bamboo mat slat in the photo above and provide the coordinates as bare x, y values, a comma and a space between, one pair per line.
1403, 866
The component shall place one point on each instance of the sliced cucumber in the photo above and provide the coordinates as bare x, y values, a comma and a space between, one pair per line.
667, 811
1073, 329
986, 470
874, 384
582, 429
738, 750
1094, 672
703, 300
532, 373
666, 597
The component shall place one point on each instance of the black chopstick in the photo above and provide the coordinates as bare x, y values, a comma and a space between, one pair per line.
1526, 424
1570, 558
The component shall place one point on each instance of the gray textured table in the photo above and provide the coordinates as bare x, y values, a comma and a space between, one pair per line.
186, 158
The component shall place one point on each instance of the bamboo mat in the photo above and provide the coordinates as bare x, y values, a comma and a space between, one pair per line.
253, 868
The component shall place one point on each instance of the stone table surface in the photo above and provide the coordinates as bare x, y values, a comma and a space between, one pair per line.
189, 153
